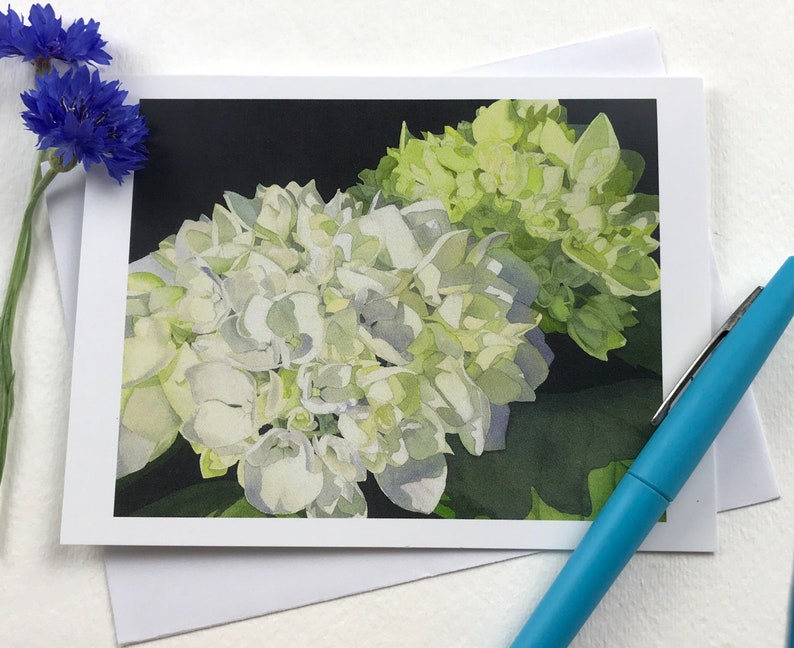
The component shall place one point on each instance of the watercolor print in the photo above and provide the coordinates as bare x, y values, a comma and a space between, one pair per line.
424, 308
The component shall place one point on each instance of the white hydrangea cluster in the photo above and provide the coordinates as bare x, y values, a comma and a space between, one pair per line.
309, 343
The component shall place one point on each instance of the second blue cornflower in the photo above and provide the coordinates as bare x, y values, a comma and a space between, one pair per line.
83, 119
45, 39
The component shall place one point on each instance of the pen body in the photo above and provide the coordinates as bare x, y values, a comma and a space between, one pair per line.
678, 445
621, 526
662, 468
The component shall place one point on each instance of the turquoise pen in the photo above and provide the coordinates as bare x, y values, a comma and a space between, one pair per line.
705, 399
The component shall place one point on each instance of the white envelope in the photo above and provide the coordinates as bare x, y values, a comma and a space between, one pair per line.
157, 592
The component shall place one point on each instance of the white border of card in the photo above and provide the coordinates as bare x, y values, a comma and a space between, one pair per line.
92, 445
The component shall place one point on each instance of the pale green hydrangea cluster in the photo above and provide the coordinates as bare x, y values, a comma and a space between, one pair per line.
566, 197
311, 343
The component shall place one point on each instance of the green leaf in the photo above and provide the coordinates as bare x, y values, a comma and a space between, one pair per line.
152, 467
542, 511
598, 325
642, 203
365, 191
242, 509
603, 481
442, 510
626, 175
552, 446
643, 346
206, 499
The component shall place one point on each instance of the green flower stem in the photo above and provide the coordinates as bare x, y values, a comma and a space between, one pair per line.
19, 270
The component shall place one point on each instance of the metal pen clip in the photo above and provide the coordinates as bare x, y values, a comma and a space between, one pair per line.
703, 356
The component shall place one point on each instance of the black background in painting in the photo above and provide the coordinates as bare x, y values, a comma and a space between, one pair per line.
201, 148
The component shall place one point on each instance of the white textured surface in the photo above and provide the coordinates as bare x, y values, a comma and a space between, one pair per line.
54, 596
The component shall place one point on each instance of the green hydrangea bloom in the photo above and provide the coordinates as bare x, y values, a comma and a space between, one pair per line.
566, 200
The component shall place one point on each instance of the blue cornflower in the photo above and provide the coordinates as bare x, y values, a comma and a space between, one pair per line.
10, 29
79, 119
83, 43
85, 120
45, 38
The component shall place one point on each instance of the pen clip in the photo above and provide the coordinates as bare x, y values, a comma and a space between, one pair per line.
689, 374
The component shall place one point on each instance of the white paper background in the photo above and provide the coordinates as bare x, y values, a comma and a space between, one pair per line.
57, 596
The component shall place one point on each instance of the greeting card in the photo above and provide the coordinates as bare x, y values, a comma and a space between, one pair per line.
382, 312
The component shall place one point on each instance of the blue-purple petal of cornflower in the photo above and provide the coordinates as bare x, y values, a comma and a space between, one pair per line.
45, 38
83, 43
84, 118
10, 28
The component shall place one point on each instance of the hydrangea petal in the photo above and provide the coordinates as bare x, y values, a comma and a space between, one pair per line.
416, 485
281, 473
225, 413
147, 352
148, 428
